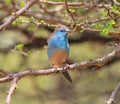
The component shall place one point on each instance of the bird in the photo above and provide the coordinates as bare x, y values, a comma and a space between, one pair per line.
58, 49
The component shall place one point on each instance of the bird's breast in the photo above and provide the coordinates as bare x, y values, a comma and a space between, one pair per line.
58, 57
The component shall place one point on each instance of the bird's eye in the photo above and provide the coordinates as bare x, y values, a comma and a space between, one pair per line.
62, 30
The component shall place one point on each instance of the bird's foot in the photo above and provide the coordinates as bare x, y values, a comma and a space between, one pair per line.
66, 66
55, 68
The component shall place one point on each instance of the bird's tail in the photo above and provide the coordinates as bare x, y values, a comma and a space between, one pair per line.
67, 76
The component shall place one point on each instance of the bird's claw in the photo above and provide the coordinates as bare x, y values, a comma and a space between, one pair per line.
66, 67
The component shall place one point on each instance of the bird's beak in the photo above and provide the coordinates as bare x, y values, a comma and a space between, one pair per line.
68, 31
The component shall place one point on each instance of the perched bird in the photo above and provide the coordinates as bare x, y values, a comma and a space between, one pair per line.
58, 48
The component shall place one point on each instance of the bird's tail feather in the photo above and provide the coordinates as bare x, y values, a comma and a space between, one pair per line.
67, 76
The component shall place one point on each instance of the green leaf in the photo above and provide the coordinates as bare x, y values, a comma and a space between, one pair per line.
18, 21
72, 10
116, 9
22, 4
81, 31
104, 13
65, 11
104, 32
45, 46
42, 21
19, 47
97, 26
15, 22
112, 22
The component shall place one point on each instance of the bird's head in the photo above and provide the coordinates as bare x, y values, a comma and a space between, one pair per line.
62, 31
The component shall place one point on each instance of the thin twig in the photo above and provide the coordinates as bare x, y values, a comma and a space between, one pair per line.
114, 93
61, 3
50, 19
16, 14
116, 2
71, 15
19, 52
77, 4
4, 72
99, 20
93, 2
11, 90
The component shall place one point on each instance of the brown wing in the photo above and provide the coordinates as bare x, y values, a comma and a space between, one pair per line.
51, 36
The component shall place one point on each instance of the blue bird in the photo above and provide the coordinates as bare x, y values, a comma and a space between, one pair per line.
58, 49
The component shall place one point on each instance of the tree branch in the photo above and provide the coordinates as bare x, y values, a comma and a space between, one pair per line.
16, 14
71, 15
96, 62
116, 2
4, 72
76, 4
11, 90
114, 93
